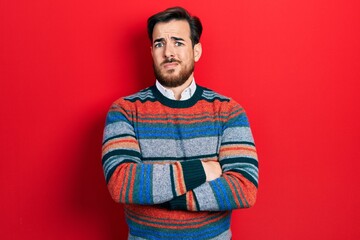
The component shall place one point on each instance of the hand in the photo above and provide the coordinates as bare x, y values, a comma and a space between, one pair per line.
212, 170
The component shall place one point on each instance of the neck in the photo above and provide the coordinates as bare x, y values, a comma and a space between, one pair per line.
178, 90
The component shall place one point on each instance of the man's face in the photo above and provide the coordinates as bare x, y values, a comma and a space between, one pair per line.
173, 54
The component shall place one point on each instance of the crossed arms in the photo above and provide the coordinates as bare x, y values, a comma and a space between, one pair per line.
197, 185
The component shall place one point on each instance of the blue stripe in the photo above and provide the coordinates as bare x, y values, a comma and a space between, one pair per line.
223, 189
148, 184
141, 176
217, 194
239, 121
113, 116
176, 135
220, 192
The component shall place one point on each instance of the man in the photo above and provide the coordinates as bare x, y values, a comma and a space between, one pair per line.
178, 155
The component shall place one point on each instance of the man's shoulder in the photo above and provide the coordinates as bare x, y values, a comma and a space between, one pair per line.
142, 96
211, 95
224, 101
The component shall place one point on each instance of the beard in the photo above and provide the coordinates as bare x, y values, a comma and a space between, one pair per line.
169, 79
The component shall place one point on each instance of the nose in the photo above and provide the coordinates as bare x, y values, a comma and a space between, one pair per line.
169, 51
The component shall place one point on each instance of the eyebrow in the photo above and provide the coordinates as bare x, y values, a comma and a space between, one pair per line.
172, 38
177, 39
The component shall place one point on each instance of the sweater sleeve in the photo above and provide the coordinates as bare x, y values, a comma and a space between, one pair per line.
129, 180
237, 187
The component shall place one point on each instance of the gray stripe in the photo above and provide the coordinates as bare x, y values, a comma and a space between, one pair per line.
115, 128
206, 197
210, 95
116, 160
141, 95
238, 134
162, 188
110, 163
179, 148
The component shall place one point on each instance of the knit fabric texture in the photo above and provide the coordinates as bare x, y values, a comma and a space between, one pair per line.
152, 153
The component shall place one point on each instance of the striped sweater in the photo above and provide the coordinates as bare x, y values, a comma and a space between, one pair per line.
152, 153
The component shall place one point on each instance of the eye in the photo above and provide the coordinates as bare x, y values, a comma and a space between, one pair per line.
178, 44
158, 45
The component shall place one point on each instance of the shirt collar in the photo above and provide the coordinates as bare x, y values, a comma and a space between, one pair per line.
185, 95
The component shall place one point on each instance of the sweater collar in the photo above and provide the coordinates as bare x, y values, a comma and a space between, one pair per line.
185, 95
178, 103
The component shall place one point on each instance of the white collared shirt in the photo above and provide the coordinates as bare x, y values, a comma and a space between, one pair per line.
185, 95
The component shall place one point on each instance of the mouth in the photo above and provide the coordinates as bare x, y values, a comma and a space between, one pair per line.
169, 65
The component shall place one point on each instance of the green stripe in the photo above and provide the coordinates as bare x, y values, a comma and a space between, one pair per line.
241, 142
121, 152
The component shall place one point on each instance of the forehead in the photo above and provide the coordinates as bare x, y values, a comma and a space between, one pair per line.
173, 28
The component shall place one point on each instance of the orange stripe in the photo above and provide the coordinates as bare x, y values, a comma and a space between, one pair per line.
116, 181
199, 107
121, 146
191, 201
188, 201
125, 182
114, 186
180, 188
238, 154
123, 140
120, 142
251, 149
186, 225
230, 151
132, 180
171, 216
227, 179
216, 106
183, 116
238, 177
186, 115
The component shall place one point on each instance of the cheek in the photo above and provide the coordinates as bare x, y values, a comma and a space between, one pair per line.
187, 57
156, 55
156, 60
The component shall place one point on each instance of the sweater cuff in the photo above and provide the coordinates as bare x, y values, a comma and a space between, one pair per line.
194, 174
178, 203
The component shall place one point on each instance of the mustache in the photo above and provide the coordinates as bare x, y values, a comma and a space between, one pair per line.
170, 60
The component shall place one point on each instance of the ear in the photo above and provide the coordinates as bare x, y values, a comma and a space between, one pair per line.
197, 51
152, 52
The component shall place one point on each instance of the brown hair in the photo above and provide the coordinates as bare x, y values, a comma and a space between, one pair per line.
176, 13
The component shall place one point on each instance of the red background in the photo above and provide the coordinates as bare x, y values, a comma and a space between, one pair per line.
293, 65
